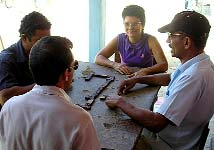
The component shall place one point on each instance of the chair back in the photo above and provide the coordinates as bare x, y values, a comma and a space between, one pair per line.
117, 57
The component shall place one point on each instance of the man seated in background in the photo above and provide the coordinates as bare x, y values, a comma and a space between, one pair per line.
188, 104
15, 76
45, 118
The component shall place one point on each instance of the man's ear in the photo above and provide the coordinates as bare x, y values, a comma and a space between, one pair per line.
187, 42
67, 73
23, 37
69, 69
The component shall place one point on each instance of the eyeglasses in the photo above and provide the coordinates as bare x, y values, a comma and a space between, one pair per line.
134, 25
75, 67
171, 35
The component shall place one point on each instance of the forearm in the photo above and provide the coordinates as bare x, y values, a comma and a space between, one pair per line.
150, 120
101, 60
161, 79
6, 94
158, 68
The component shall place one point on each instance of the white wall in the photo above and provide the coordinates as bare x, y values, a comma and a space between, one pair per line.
69, 18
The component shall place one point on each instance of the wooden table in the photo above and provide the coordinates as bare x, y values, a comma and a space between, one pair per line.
114, 128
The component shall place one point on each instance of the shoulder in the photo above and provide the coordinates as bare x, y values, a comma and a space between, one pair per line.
8, 53
10, 104
201, 69
152, 41
77, 112
122, 38
146, 35
150, 37
83, 113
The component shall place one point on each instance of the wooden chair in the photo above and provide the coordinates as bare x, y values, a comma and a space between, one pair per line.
117, 57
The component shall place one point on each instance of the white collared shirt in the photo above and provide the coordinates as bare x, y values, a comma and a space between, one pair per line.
45, 119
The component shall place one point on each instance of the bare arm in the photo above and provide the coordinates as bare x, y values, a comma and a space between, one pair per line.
6, 94
161, 79
102, 57
159, 56
150, 120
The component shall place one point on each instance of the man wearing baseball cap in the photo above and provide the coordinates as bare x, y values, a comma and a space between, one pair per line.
188, 104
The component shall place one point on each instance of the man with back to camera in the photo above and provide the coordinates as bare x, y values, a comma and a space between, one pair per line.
15, 77
45, 117
188, 104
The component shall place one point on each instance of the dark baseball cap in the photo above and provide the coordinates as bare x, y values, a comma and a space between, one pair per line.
189, 22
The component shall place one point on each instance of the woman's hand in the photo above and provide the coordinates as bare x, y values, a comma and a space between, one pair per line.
123, 69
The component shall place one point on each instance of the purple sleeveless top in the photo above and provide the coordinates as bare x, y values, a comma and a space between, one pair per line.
135, 55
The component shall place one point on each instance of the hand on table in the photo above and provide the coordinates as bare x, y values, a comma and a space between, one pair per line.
113, 101
137, 74
123, 69
125, 86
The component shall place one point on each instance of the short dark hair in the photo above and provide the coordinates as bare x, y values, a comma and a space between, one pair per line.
136, 11
49, 58
32, 22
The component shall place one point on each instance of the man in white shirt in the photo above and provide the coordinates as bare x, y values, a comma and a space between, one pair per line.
188, 105
45, 118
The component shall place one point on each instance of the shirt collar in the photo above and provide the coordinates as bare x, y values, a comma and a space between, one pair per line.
21, 56
137, 45
192, 61
51, 90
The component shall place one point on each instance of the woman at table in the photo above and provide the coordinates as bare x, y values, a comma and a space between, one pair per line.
134, 48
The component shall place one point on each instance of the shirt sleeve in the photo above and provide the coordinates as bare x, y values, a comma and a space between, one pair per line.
183, 95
